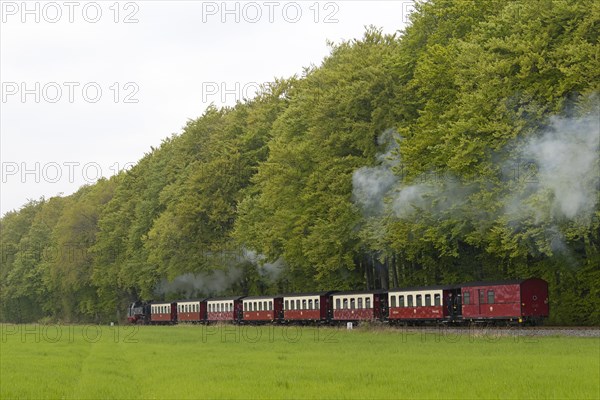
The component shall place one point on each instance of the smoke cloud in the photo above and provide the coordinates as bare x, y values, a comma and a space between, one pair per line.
218, 281
270, 271
561, 181
567, 159
196, 284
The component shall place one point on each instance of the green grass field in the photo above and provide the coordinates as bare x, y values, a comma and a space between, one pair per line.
38, 361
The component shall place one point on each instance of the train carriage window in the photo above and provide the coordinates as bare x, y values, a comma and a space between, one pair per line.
437, 299
345, 304
410, 300
298, 305
393, 301
481, 296
287, 305
310, 304
368, 302
466, 298
260, 306
270, 305
400, 301
360, 303
304, 304
491, 297
337, 304
419, 300
316, 304
352, 304
265, 305
427, 300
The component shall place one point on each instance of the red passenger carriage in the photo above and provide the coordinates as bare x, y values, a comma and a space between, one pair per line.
262, 308
427, 303
191, 311
226, 309
358, 305
307, 306
163, 313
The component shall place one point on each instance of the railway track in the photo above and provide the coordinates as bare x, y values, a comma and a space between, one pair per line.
516, 331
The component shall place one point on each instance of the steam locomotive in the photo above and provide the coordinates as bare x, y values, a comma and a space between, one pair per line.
514, 301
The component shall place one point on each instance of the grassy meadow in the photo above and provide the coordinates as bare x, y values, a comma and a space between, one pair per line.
83, 362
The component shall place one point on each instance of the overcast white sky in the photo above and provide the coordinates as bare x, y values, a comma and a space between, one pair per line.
88, 87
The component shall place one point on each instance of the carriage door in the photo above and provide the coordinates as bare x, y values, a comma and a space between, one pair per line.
481, 299
457, 298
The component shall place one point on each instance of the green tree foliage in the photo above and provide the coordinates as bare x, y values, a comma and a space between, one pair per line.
439, 119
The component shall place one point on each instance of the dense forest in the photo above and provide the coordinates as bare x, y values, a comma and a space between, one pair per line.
465, 147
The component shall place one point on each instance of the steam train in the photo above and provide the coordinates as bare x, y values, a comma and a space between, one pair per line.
514, 301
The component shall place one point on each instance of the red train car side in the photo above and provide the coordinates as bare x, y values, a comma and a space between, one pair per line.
163, 313
225, 309
191, 311
357, 306
262, 308
307, 306
427, 303
525, 299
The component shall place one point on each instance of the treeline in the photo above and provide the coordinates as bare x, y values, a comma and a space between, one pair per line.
463, 148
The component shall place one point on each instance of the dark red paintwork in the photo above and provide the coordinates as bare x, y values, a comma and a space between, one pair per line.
193, 316
514, 299
423, 312
324, 311
264, 315
230, 316
376, 310
169, 317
